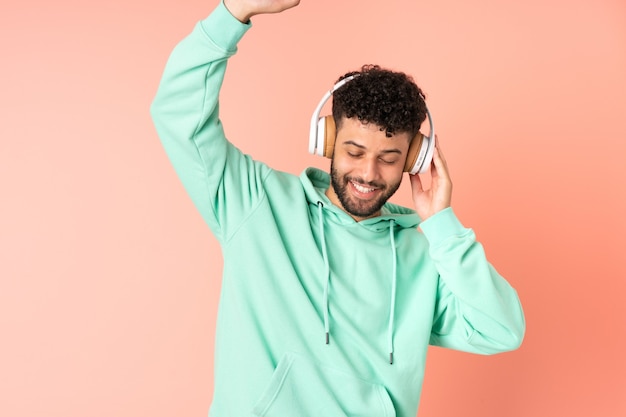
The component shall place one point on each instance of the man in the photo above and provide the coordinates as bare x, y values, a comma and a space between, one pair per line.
330, 294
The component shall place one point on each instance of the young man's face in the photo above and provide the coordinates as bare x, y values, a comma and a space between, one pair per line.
366, 168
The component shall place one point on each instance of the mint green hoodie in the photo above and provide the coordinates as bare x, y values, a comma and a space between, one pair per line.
314, 306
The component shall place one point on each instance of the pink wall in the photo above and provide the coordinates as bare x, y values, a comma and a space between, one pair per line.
109, 278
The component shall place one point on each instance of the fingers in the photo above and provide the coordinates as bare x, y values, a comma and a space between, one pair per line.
440, 165
438, 146
416, 183
438, 153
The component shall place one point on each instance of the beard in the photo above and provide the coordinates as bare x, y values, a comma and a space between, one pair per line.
353, 205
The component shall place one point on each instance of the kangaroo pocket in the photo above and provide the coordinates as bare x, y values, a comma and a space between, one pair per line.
302, 388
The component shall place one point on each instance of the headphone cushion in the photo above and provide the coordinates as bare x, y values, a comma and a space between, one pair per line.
413, 153
330, 134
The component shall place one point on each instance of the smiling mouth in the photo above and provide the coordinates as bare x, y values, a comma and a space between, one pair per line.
362, 189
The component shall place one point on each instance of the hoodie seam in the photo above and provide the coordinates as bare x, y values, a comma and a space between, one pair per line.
445, 241
253, 210
471, 336
381, 397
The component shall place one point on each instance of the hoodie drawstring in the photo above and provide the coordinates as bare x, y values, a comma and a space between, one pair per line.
392, 307
394, 276
320, 206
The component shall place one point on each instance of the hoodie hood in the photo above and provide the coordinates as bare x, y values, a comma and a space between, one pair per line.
315, 182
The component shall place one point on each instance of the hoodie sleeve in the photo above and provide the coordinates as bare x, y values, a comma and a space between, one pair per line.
476, 310
185, 112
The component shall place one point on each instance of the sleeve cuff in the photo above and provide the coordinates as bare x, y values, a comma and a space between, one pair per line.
441, 226
223, 28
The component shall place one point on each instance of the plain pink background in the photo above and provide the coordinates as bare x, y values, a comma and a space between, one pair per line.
110, 279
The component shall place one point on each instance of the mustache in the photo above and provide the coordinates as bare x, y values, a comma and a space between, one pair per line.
360, 181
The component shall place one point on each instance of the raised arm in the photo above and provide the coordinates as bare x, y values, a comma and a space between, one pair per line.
185, 112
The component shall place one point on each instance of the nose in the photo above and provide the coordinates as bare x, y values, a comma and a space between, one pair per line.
369, 169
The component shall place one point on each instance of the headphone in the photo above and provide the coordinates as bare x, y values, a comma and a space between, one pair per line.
323, 134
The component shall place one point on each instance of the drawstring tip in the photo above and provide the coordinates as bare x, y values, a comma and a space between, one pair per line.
390, 358
327, 338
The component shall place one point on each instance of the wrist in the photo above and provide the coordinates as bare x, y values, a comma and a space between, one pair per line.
441, 226
238, 12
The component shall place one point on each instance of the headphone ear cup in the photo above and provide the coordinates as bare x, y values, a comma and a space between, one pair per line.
330, 134
414, 150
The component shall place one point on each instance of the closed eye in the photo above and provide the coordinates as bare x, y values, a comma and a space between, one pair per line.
355, 154
388, 161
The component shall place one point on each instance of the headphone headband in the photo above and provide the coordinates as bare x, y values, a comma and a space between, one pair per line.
315, 147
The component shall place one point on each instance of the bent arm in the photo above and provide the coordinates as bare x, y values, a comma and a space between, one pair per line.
477, 309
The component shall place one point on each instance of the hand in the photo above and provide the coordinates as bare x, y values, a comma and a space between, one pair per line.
243, 10
438, 196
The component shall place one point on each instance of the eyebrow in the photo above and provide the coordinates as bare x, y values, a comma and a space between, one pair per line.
385, 151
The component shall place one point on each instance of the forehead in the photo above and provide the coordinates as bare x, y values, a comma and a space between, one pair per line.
369, 135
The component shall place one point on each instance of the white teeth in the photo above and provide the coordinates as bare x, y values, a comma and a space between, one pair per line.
362, 189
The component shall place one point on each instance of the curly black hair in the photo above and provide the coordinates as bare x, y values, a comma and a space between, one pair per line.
389, 99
